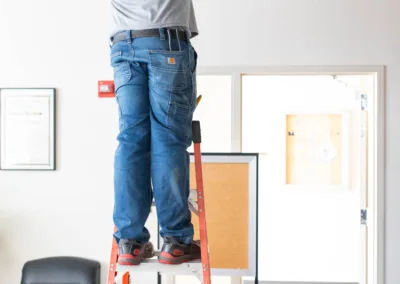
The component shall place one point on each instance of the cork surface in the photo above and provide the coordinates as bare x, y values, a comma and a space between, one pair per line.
226, 190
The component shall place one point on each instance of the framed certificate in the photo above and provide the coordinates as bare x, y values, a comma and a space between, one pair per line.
27, 129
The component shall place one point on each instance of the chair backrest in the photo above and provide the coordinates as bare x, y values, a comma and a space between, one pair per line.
61, 270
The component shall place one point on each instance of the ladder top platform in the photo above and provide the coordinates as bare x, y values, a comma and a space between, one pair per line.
152, 265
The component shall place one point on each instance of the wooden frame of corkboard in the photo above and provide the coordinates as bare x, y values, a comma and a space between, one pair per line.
226, 235
330, 173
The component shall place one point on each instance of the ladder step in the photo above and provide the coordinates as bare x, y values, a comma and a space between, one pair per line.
152, 265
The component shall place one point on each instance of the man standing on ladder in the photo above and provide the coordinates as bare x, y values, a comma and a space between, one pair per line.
154, 67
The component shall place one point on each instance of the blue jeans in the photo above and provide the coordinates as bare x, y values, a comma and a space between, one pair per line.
155, 87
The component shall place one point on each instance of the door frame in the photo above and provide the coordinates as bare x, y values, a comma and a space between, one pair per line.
376, 189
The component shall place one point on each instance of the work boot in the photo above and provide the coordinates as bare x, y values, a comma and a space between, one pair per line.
132, 252
174, 252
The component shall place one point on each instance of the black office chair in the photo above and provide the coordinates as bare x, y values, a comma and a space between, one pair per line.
61, 270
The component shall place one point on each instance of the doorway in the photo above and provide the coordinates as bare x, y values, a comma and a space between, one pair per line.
311, 131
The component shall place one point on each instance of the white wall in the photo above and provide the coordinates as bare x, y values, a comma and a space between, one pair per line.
63, 44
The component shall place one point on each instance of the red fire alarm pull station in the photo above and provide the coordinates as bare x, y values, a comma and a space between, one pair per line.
106, 89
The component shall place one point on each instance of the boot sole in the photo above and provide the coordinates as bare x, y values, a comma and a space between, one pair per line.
127, 259
166, 258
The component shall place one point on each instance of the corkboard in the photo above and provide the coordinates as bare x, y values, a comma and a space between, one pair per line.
226, 190
314, 149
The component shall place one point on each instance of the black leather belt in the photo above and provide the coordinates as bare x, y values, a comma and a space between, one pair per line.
149, 33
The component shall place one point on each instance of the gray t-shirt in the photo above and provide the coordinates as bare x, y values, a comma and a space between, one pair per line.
153, 14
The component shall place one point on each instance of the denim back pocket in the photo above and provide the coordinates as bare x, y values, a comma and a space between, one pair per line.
169, 69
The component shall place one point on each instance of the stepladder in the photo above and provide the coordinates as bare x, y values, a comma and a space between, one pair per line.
122, 274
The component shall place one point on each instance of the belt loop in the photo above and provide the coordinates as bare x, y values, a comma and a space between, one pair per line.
188, 37
178, 39
162, 33
128, 36
169, 39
